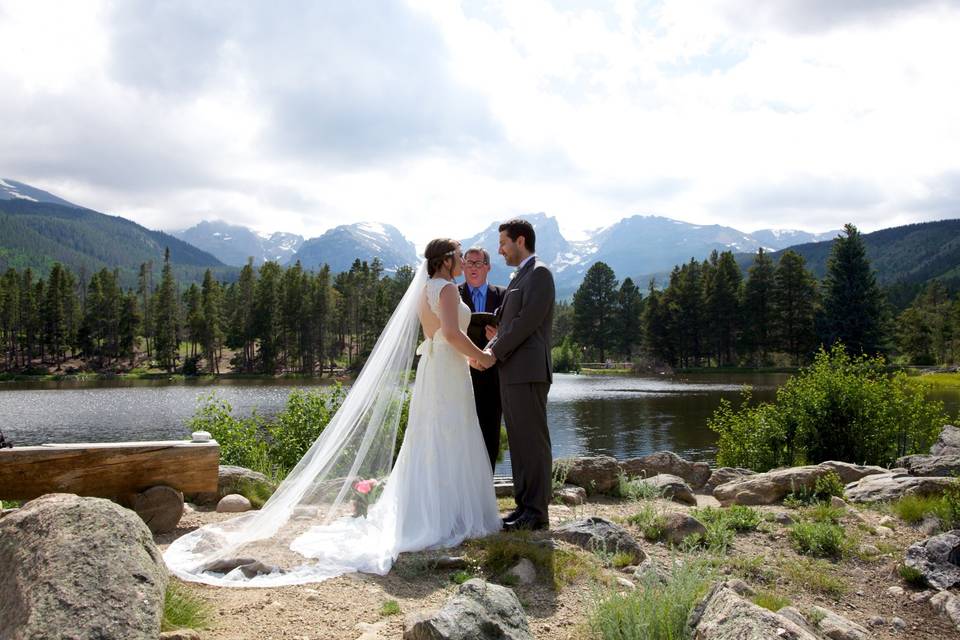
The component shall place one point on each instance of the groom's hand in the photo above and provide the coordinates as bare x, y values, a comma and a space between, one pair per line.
475, 364
491, 332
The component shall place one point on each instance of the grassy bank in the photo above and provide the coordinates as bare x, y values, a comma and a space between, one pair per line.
938, 380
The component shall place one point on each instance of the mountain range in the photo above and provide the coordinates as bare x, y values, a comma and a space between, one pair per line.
38, 228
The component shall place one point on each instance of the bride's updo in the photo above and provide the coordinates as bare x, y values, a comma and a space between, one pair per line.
438, 252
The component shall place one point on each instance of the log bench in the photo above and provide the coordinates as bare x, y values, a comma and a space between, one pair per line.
148, 477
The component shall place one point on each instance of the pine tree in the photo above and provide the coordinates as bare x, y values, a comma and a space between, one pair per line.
242, 333
54, 315
167, 318
759, 310
723, 307
266, 316
796, 302
129, 325
212, 334
658, 339
630, 318
595, 310
10, 314
853, 311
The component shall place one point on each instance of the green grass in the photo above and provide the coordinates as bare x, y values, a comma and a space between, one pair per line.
913, 509
738, 517
390, 608
256, 492
636, 489
655, 611
621, 560
824, 512
10, 504
770, 600
749, 568
494, 555
650, 522
459, 577
814, 575
819, 539
183, 610
911, 576
939, 380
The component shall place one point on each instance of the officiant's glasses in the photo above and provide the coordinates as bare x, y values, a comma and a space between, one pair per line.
474, 263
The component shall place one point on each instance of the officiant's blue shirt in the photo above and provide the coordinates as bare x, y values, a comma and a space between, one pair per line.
479, 296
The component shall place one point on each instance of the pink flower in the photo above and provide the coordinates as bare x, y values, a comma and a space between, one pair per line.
365, 486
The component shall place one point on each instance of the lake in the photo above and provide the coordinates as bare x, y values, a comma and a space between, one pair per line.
622, 416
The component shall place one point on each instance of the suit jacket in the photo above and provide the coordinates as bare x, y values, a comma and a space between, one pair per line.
492, 303
523, 341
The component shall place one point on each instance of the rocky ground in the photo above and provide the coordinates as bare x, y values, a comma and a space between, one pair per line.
864, 586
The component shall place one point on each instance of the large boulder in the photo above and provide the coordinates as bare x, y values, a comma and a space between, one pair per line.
678, 526
922, 465
477, 611
725, 615
938, 559
948, 606
948, 443
695, 474
892, 486
597, 534
233, 480
771, 487
836, 627
596, 474
79, 568
724, 475
672, 488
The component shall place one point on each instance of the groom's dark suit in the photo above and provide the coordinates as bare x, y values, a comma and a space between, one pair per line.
486, 384
522, 348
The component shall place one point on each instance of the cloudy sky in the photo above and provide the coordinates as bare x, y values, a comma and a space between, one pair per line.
440, 117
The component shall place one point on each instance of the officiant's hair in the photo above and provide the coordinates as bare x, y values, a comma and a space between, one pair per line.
518, 227
481, 251
438, 251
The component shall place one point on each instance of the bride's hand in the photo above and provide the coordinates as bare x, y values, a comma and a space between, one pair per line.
488, 359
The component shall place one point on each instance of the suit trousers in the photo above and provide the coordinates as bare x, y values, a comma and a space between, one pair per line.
486, 393
531, 456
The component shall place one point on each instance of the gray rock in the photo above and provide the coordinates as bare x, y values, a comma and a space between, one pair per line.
795, 616
938, 559
724, 475
876, 621
233, 503
523, 571
571, 495
694, 473
80, 565
836, 627
477, 611
948, 443
232, 480
627, 584
724, 615
895, 591
891, 486
921, 596
180, 634
869, 550
450, 563
930, 465
784, 518
597, 534
898, 624
672, 488
948, 606
649, 572
888, 521
838, 503
773, 486
930, 525
597, 474
679, 526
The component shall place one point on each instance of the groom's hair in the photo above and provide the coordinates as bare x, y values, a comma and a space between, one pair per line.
517, 228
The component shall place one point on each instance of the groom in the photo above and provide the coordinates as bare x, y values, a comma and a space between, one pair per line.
522, 348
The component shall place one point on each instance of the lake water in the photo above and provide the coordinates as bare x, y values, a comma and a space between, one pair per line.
615, 415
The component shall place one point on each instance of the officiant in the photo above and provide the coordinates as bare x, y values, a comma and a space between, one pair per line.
483, 299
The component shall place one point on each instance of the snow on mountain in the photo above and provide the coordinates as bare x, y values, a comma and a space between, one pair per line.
235, 244
14, 190
340, 246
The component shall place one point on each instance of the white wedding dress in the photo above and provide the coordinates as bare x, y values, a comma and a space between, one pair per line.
439, 493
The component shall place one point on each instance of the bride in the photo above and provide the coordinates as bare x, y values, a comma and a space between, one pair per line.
342, 509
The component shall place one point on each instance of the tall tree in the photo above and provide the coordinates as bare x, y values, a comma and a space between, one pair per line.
167, 318
630, 318
595, 310
853, 312
759, 309
54, 315
723, 307
266, 313
212, 334
796, 303
658, 339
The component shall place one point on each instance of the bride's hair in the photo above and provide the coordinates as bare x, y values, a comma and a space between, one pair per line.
438, 251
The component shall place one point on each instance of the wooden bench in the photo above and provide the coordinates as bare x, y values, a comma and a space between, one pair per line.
149, 477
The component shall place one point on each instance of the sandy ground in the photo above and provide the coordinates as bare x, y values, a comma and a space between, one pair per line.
350, 606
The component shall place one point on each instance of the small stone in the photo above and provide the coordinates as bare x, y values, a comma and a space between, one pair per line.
188, 508
860, 592
524, 571
784, 518
623, 582
313, 598
921, 596
883, 532
630, 569
899, 624
740, 587
869, 550
571, 495
931, 525
233, 503
888, 521
837, 502
450, 563
876, 621
895, 590
180, 634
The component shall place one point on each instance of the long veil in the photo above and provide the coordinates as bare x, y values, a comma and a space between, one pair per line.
265, 547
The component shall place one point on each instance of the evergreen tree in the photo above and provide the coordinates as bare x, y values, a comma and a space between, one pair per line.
28, 317
630, 318
195, 321
658, 339
723, 306
144, 290
266, 317
595, 310
795, 304
54, 315
129, 325
853, 312
212, 334
242, 333
687, 306
759, 309
10, 314
321, 311
562, 322
167, 318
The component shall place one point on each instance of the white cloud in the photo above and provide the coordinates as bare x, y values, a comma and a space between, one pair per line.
439, 118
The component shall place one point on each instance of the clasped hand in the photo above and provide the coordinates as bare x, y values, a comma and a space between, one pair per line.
484, 362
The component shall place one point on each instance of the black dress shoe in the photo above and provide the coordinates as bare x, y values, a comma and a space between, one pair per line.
528, 522
509, 519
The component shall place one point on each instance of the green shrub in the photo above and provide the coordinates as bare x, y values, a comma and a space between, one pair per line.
945, 507
650, 522
840, 408
821, 539
183, 610
636, 489
459, 577
390, 608
814, 575
566, 357
828, 485
737, 518
655, 611
824, 512
912, 576
770, 600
